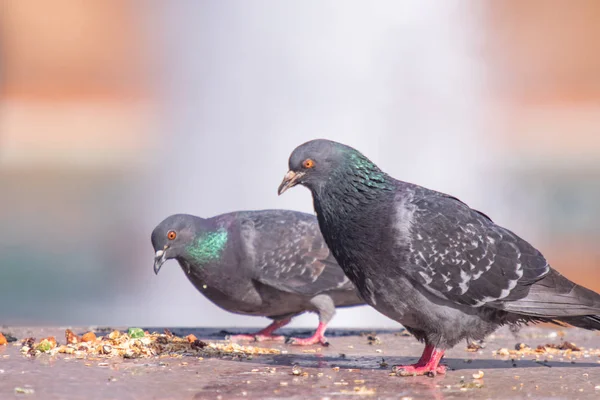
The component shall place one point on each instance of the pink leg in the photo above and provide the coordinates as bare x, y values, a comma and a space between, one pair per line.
265, 334
317, 338
428, 364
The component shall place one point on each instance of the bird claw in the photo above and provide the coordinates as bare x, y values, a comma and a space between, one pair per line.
418, 370
267, 338
307, 341
255, 338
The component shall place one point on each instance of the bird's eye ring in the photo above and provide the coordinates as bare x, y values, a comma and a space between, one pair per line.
171, 235
308, 163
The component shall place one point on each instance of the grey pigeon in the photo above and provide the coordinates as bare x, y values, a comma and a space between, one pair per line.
427, 260
271, 263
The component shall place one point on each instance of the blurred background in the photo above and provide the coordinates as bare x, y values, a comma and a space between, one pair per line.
117, 113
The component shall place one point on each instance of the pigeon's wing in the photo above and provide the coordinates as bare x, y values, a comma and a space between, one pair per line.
459, 254
290, 254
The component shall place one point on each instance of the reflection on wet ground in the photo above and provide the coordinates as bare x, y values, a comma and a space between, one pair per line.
355, 364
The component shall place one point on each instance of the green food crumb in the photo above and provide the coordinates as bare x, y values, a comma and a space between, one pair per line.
20, 390
135, 333
472, 385
44, 346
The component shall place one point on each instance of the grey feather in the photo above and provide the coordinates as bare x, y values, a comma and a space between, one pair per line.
273, 263
445, 271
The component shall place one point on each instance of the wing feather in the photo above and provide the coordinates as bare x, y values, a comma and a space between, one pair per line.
290, 254
461, 255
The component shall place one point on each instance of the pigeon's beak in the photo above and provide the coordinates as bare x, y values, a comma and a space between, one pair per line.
159, 260
289, 180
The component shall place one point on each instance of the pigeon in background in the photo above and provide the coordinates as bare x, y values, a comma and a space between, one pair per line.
271, 263
446, 272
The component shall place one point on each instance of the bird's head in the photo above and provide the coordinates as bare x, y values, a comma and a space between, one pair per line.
316, 163
311, 164
172, 238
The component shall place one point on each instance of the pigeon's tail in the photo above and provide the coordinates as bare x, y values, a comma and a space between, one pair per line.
556, 299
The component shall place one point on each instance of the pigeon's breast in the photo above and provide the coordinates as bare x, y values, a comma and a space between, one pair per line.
228, 291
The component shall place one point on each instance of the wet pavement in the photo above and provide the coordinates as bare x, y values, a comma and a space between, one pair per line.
353, 366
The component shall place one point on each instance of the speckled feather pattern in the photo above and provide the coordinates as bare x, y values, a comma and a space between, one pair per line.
426, 259
291, 253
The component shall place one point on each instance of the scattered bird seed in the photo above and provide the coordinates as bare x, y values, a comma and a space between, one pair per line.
478, 375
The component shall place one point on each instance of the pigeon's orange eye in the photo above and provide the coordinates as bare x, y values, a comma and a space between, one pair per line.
171, 235
308, 163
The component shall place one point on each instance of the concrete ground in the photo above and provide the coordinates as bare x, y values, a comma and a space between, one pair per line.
349, 368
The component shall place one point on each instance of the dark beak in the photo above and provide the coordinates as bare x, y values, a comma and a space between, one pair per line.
159, 260
289, 180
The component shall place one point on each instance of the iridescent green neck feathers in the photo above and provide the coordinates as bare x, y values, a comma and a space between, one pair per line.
367, 173
208, 246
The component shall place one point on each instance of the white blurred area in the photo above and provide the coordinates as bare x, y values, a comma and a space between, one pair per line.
195, 107
255, 80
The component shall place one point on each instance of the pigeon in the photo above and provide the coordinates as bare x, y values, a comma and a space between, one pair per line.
271, 263
427, 260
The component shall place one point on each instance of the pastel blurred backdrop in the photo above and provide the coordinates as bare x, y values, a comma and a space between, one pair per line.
117, 113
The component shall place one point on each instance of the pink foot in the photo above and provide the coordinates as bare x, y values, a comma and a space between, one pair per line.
256, 338
317, 338
264, 335
428, 364
417, 370
308, 341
